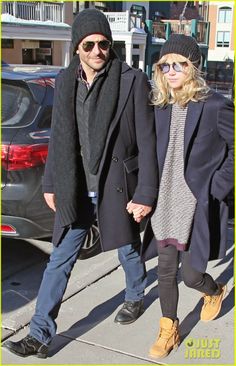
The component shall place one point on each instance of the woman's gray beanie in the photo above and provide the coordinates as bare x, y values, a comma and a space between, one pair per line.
182, 45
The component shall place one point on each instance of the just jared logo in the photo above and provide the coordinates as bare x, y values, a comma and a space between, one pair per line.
202, 348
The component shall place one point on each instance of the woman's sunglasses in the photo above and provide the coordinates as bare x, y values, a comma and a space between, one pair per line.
89, 45
177, 66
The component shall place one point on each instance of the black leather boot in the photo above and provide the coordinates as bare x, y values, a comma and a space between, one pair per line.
130, 311
28, 346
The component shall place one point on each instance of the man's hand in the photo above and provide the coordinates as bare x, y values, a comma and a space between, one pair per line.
50, 200
139, 211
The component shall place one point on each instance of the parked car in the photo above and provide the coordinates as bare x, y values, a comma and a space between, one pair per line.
27, 98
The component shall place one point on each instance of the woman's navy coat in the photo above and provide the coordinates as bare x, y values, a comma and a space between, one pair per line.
208, 162
128, 168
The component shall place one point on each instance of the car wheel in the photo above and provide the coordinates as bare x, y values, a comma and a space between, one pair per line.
91, 246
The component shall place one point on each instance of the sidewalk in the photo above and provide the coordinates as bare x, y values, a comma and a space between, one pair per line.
87, 333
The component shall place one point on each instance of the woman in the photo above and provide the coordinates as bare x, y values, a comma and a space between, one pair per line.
195, 155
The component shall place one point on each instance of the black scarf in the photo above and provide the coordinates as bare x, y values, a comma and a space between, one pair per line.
103, 104
69, 178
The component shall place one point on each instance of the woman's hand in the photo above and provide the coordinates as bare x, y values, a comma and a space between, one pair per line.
139, 211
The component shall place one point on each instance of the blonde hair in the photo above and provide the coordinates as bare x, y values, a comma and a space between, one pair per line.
193, 89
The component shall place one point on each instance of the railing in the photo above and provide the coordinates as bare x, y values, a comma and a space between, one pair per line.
184, 27
165, 28
221, 87
54, 11
159, 30
35, 10
123, 21
202, 29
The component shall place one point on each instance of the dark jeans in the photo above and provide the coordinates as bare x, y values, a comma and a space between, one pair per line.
168, 263
43, 326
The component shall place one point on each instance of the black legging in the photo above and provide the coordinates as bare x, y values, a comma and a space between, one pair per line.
168, 263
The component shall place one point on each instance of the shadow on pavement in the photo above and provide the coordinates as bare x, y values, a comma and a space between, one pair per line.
193, 317
99, 314
104, 310
18, 255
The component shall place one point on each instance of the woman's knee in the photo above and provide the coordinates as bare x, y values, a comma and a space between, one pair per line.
192, 280
167, 273
190, 276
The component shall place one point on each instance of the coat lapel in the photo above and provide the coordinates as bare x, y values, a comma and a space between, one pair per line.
125, 86
162, 121
192, 118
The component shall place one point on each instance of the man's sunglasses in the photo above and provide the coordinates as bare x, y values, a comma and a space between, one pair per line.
177, 66
89, 45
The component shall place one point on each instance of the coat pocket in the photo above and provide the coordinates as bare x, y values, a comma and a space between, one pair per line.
130, 175
131, 164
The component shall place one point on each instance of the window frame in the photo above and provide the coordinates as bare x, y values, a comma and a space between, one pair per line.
222, 13
223, 43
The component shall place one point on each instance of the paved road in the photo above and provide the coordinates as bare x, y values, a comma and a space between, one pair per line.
17, 255
86, 331
23, 264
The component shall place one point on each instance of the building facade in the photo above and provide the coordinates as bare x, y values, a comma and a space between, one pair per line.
221, 43
185, 17
40, 32
36, 32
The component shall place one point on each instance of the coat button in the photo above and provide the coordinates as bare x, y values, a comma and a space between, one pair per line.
119, 189
115, 159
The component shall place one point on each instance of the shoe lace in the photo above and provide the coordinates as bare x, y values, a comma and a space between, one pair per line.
31, 342
27, 342
129, 305
211, 300
27, 339
165, 333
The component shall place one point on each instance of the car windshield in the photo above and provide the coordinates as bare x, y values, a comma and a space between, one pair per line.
18, 107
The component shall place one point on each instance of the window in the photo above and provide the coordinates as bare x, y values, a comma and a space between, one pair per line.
225, 15
18, 107
220, 71
45, 44
7, 43
223, 39
191, 4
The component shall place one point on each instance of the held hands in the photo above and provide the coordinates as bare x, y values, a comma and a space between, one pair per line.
50, 200
139, 211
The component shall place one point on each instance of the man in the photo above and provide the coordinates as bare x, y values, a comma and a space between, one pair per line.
101, 151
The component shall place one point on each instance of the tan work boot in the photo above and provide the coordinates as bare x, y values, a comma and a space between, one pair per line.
212, 304
168, 338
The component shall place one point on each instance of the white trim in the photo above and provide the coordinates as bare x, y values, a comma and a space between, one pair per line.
10, 31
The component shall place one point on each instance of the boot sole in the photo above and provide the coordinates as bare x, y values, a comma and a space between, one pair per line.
38, 355
174, 348
130, 321
213, 317
125, 323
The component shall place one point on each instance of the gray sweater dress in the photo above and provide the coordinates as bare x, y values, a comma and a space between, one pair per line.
173, 217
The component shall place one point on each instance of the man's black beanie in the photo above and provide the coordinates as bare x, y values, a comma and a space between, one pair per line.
89, 21
182, 45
